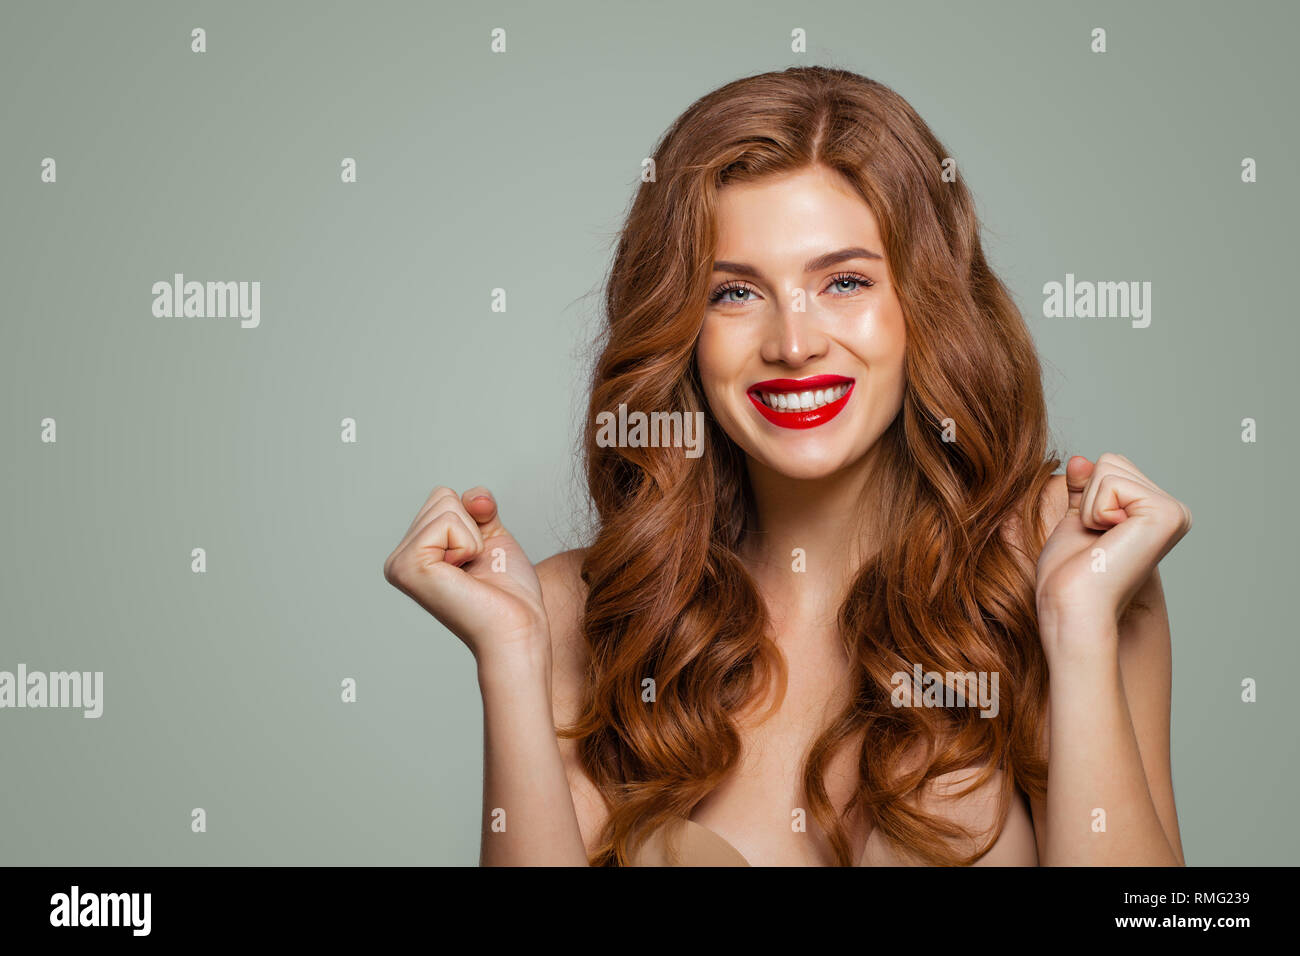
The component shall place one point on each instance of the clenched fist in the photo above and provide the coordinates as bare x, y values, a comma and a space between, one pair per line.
1117, 526
461, 565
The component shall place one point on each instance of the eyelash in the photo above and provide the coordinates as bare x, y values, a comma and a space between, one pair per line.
737, 284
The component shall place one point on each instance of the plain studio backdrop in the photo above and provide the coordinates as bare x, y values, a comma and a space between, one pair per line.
477, 171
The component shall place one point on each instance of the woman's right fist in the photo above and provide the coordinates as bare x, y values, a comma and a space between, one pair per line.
461, 565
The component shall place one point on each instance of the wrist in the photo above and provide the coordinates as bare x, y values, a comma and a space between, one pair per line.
1059, 614
1078, 641
516, 662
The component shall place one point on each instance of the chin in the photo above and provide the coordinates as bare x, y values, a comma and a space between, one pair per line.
805, 471
806, 464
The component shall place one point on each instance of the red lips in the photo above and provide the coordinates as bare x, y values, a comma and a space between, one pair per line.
801, 419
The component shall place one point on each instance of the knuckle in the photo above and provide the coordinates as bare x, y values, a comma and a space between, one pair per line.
440, 513
1176, 514
445, 519
442, 491
394, 571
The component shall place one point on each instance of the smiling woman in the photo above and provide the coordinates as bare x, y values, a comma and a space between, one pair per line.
715, 680
835, 313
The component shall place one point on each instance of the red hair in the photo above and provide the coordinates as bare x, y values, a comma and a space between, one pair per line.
947, 587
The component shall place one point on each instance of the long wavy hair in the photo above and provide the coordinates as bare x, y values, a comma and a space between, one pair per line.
948, 587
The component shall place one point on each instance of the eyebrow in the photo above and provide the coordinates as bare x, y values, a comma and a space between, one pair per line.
812, 265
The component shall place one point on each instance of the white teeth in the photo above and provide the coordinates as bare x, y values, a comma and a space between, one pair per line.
803, 401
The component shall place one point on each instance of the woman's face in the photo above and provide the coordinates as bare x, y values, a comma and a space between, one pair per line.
801, 350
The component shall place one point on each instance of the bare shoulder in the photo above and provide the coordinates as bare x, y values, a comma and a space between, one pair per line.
565, 596
1052, 504
563, 592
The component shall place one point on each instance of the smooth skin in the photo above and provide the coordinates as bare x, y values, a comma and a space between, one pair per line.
1107, 728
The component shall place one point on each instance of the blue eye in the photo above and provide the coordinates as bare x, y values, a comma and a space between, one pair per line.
730, 287
850, 277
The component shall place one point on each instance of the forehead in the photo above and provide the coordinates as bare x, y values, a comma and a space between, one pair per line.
809, 209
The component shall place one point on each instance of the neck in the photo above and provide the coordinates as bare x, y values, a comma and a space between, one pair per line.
825, 518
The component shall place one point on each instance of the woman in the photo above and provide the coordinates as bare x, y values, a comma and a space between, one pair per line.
757, 659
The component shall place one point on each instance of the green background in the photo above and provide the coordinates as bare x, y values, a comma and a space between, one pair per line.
513, 170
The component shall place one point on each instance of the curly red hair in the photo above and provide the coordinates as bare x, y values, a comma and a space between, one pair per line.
947, 587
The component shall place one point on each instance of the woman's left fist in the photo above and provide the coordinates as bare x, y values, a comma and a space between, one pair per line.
1117, 527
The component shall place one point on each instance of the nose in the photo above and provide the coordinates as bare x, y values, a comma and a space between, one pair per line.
793, 336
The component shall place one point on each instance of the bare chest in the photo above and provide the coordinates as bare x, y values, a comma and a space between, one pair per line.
762, 808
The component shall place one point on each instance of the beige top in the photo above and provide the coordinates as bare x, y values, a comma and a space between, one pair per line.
694, 845
687, 843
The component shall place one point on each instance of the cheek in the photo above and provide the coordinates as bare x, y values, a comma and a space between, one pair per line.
708, 354
720, 360
879, 342
719, 356
896, 360
710, 359
884, 340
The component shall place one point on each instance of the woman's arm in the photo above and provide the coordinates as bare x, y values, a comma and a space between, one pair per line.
528, 812
524, 763
459, 563
1110, 792
1109, 746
